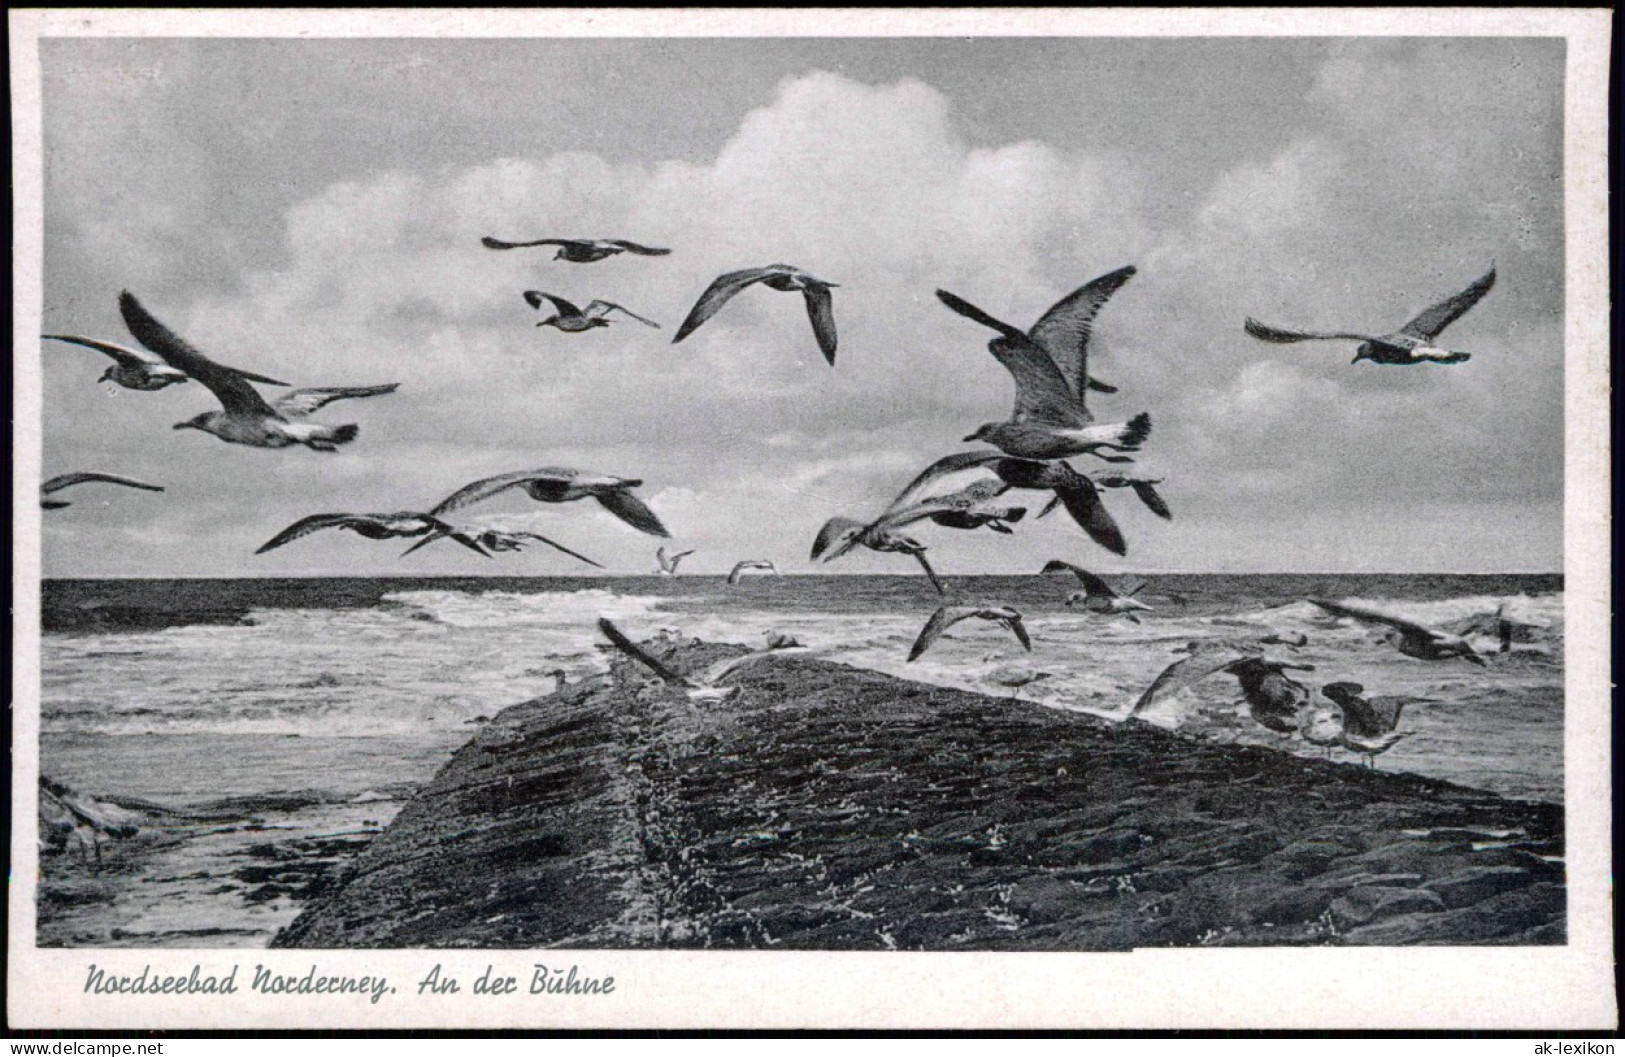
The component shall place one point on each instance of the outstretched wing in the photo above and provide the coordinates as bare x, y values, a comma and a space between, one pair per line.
126, 356
944, 466
534, 299
302, 402
315, 523
229, 385
68, 480
484, 489
1282, 336
1014, 624
632, 510
821, 310
604, 308
839, 532
633, 247
497, 244
1371, 616
940, 621
1187, 672
1063, 331
721, 290
136, 358
637, 653
1082, 500
930, 573
1431, 323
1042, 393
1153, 499
558, 547
1091, 583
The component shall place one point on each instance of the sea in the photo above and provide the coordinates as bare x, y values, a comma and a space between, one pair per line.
315, 707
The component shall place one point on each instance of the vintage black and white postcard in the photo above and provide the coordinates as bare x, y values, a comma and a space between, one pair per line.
813, 519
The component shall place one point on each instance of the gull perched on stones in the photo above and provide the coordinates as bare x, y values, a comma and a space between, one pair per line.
1097, 595
247, 418
400, 525
1050, 420
141, 370
579, 251
1409, 637
573, 320
68, 480
750, 565
707, 685
816, 292
669, 562
948, 616
1412, 343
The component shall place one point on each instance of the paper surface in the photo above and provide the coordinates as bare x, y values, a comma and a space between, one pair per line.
1409, 988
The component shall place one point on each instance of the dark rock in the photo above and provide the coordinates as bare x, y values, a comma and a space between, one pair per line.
1477, 883
1359, 906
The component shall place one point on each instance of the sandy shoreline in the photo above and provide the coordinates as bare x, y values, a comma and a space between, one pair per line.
833, 808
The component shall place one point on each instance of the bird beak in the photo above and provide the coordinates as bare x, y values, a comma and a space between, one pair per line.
972, 437
1357, 358
181, 425
1299, 667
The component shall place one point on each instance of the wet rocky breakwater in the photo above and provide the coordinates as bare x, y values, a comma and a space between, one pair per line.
831, 808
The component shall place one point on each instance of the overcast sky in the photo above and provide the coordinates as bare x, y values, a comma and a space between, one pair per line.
312, 210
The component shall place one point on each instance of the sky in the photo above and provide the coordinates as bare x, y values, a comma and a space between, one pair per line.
312, 210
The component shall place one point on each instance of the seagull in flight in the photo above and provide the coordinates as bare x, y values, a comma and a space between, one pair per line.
1050, 420
68, 480
707, 686
1099, 596
573, 320
557, 484
948, 616
497, 541
580, 251
669, 562
1144, 487
816, 292
840, 534
1409, 637
1412, 343
372, 526
1274, 699
246, 418
1075, 492
743, 567
141, 370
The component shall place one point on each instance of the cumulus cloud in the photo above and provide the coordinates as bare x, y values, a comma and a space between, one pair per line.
747, 441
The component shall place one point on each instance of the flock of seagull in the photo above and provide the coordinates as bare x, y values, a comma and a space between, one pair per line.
1049, 424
